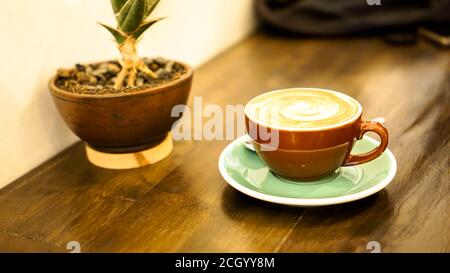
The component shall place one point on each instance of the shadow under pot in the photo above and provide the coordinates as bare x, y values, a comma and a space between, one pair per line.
124, 122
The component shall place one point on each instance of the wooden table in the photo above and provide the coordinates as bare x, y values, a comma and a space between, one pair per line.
182, 204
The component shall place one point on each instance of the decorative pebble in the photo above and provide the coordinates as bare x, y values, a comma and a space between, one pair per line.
81, 76
99, 72
139, 82
153, 66
148, 60
65, 73
110, 67
160, 72
93, 80
80, 67
88, 70
169, 66
161, 60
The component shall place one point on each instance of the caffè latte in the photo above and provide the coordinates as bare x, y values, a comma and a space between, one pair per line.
303, 108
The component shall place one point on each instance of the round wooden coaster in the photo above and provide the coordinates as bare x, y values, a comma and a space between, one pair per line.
130, 160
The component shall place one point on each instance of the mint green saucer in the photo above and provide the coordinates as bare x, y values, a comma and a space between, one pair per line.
245, 172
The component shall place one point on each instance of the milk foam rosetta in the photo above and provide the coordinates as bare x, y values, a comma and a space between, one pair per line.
302, 108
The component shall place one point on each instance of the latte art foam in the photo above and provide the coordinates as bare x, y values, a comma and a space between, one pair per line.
302, 108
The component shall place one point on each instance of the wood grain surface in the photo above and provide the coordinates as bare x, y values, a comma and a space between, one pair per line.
182, 204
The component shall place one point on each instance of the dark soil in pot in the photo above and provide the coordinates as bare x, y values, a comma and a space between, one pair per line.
98, 78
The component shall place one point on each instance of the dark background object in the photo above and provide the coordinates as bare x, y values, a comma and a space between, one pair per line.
345, 17
439, 33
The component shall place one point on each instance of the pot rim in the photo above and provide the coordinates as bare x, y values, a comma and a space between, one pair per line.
155, 89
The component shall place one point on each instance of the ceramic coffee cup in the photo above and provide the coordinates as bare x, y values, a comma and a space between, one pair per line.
319, 145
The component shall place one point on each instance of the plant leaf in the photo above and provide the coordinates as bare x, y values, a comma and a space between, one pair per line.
119, 36
122, 13
131, 18
142, 28
117, 5
150, 6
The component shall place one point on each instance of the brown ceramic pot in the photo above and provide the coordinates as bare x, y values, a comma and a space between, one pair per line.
311, 154
125, 122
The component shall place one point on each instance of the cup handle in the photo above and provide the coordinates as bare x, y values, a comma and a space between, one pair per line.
369, 126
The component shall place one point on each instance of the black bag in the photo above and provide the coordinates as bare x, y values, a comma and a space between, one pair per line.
338, 17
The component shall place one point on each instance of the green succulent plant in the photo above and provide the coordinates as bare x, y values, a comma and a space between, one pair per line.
132, 18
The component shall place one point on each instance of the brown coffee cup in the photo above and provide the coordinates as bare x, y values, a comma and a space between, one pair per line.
310, 154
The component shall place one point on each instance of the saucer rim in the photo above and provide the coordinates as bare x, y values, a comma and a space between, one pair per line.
308, 202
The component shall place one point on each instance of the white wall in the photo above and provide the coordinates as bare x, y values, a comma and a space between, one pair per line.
38, 36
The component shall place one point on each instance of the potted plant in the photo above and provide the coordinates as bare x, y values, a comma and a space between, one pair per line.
123, 106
